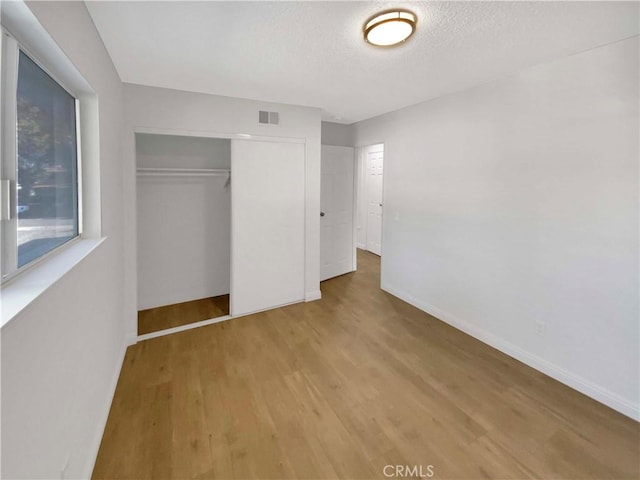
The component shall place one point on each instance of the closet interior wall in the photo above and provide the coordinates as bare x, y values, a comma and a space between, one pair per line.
184, 218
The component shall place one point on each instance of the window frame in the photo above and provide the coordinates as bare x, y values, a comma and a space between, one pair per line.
11, 48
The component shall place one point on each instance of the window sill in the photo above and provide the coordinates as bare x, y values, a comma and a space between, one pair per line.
24, 289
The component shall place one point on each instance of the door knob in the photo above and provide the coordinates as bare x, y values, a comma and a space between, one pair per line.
322, 214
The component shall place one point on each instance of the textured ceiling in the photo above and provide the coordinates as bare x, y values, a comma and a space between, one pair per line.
312, 53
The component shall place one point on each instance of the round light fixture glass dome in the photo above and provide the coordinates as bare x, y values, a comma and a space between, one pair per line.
390, 27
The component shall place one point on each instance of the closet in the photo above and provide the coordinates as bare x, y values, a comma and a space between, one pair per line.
220, 227
184, 229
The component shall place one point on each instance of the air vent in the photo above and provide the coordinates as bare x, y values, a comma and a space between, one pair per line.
268, 117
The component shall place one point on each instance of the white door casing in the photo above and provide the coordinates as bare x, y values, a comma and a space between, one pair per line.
337, 206
374, 169
267, 225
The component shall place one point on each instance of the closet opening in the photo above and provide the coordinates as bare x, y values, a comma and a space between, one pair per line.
183, 230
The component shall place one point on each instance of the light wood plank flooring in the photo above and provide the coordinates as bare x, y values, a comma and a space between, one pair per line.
341, 387
169, 316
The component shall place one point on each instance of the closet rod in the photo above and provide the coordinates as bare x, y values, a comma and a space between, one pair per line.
183, 172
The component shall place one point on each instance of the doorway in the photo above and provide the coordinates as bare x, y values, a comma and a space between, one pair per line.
370, 198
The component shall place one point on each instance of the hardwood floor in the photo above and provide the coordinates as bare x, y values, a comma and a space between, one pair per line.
342, 387
161, 318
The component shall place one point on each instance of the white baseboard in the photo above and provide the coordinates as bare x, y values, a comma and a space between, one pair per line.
95, 447
572, 380
182, 328
311, 296
204, 323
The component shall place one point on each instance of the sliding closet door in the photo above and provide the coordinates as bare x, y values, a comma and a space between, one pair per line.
267, 225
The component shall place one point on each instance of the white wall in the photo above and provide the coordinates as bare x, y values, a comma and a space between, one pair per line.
177, 111
184, 222
61, 355
511, 212
174, 151
336, 134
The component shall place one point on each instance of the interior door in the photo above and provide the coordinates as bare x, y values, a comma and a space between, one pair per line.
267, 225
336, 217
375, 158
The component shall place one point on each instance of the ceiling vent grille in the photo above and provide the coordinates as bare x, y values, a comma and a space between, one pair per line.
272, 118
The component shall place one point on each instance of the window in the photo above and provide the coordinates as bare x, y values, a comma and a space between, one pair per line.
40, 164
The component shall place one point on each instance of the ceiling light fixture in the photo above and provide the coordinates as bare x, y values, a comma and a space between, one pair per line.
390, 27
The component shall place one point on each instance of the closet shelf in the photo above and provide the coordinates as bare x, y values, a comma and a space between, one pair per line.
183, 172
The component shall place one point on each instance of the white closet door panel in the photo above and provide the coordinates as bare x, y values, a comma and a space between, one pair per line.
267, 201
